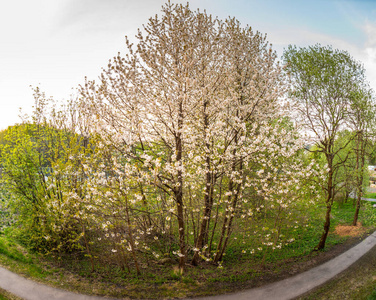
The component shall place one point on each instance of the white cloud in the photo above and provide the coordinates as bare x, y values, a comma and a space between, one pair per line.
369, 29
367, 52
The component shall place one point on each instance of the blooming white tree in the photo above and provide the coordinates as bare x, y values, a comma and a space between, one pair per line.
198, 141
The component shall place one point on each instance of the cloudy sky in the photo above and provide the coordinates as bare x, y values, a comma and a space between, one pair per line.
54, 44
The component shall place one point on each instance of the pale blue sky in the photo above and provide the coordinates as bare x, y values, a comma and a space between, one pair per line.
55, 43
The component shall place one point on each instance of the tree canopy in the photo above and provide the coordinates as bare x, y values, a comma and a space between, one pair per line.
327, 86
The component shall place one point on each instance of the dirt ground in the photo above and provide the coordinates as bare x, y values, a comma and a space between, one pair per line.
347, 230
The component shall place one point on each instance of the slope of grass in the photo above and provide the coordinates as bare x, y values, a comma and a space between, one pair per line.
161, 280
4, 295
357, 282
16, 258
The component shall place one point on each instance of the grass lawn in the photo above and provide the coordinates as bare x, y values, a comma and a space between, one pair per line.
357, 282
161, 280
370, 195
4, 295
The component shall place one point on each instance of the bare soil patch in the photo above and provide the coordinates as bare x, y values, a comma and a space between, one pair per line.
348, 230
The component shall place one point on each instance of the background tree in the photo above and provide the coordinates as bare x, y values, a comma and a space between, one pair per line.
362, 122
40, 160
324, 82
347, 179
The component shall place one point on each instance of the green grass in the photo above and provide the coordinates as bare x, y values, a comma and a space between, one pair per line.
372, 296
239, 270
306, 238
357, 282
17, 258
4, 295
370, 195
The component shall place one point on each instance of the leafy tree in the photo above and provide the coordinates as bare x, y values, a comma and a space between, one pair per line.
362, 121
324, 84
346, 180
40, 160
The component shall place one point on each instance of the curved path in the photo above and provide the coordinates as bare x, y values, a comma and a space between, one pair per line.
285, 289
300, 284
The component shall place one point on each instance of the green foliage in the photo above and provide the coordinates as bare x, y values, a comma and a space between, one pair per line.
41, 176
330, 93
7, 217
368, 214
372, 296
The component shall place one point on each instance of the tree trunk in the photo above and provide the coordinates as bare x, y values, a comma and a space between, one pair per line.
329, 202
205, 221
179, 203
208, 197
179, 191
131, 240
224, 226
219, 255
227, 224
321, 244
210, 181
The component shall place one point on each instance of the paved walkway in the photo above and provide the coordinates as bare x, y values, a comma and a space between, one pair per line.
285, 289
369, 199
299, 284
30, 290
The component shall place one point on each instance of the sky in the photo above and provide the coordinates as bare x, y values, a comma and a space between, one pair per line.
54, 44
